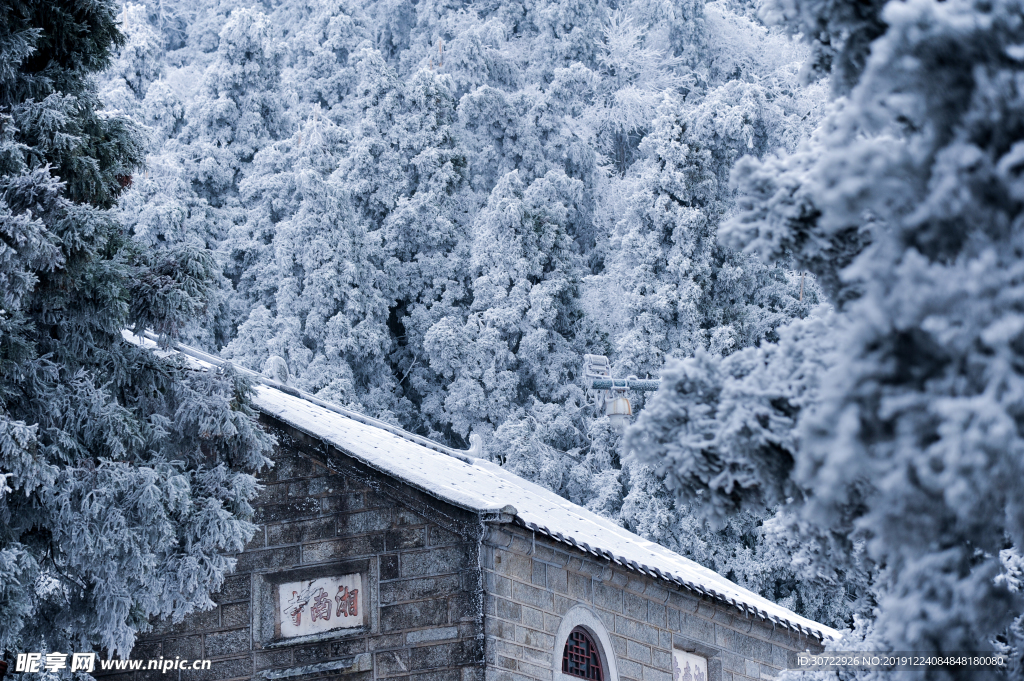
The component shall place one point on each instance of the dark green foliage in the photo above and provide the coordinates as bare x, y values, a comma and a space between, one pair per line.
124, 476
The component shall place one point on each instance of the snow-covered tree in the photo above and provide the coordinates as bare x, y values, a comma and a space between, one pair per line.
517, 342
124, 477
907, 464
680, 290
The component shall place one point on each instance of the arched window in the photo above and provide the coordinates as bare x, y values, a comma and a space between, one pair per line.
581, 657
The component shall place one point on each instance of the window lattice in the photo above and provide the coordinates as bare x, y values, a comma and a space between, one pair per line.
580, 657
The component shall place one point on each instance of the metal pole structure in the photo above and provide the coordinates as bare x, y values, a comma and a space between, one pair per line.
631, 383
610, 393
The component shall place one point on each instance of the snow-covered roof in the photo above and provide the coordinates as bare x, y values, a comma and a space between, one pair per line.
481, 486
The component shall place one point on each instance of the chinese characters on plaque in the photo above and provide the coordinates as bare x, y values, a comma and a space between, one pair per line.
317, 605
688, 667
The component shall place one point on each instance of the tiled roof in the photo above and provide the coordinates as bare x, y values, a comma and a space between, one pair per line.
479, 485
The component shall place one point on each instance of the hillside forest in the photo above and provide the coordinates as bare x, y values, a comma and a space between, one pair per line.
803, 216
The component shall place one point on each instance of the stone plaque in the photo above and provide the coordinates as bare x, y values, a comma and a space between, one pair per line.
313, 606
688, 667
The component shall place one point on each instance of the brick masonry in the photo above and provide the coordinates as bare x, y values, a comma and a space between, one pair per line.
453, 596
422, 570
532, 581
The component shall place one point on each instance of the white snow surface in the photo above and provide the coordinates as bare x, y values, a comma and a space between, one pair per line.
481, 486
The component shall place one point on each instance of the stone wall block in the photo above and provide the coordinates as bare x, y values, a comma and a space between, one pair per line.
563, 604
299, 509
532, 618
235, 588
638, 652
500, 629
638, 631
276, 658
682, 601
296, 533
531, 595
471, 579
389, 567
271, 494
347, 647
364, 522
189, 647
558, 580
312, 654
656, 592
581, 587
538, 574
464, 607
636, 583
634, 606
657, 614
405, 538
733, 662
534, 638
534, 671
497, 585
651, 674
697, 628
258, 540
335, 549
291, 466
413, 615
454, 654
522, 545
442, 560
342, 503
549, 555
226, 643
608, 618
235, 615
441, 537
325, 484
429, 635
661, 659
506, 648
628, 669
398, 591
387, 641
268, 560
608, 597
391, 663
619, 645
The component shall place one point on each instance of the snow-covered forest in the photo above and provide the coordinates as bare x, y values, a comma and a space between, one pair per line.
803, 216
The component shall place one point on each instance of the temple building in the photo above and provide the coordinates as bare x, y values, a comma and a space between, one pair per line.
383, 555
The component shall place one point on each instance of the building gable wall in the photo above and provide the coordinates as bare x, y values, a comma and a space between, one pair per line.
418, 555
533, 582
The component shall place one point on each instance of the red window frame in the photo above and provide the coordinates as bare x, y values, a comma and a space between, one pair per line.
580, 657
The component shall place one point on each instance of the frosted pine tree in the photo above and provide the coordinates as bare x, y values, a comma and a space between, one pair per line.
906, 465
516, 345
681, 290
124, 477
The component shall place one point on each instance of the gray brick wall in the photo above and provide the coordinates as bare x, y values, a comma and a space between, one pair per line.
452, 596
422, 558
531, 582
